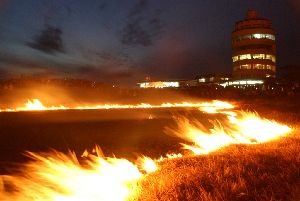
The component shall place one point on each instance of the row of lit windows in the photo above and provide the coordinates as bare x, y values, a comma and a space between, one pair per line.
254, 56
255, 36
158, 84
255, 66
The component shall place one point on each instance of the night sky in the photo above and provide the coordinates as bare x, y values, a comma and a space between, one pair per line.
122, 41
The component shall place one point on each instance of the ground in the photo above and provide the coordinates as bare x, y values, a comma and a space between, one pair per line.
268, 171
239, 172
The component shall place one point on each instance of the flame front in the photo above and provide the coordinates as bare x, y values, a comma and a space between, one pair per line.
37, 105
241, 128
148, 165
60, 177
34, 104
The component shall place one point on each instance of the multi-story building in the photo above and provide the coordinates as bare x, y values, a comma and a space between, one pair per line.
253, 48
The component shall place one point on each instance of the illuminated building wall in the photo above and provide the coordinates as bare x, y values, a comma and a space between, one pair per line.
253, 48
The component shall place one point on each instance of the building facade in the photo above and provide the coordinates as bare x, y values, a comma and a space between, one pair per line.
253, 48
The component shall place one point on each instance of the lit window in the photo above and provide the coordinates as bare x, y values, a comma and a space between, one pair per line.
258, 36
235, 58
270, 67
245, 66
245, 56
258, 66
171, 84
255, 82
254, 56
202, 80
159, 84
269, 36
271, 57
264, 36
144, 85
258, 56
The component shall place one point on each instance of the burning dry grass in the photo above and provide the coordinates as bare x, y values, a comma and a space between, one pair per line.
268, 171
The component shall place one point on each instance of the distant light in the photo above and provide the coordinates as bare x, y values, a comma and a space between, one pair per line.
202, 80
241, 82
158, 84
258, 36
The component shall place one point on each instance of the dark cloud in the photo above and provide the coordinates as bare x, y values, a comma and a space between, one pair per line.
138, 8
48, 41
135, 34
141, 27
103, 6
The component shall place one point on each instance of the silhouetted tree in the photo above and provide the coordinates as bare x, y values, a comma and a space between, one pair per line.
49, 40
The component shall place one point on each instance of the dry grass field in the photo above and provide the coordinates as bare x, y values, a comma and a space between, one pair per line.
268, 171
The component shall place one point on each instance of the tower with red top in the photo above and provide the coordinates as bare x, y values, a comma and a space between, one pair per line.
253, 48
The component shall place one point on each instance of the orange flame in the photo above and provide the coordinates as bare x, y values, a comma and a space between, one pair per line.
148, 165
60, 177
37, 105
245, 128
